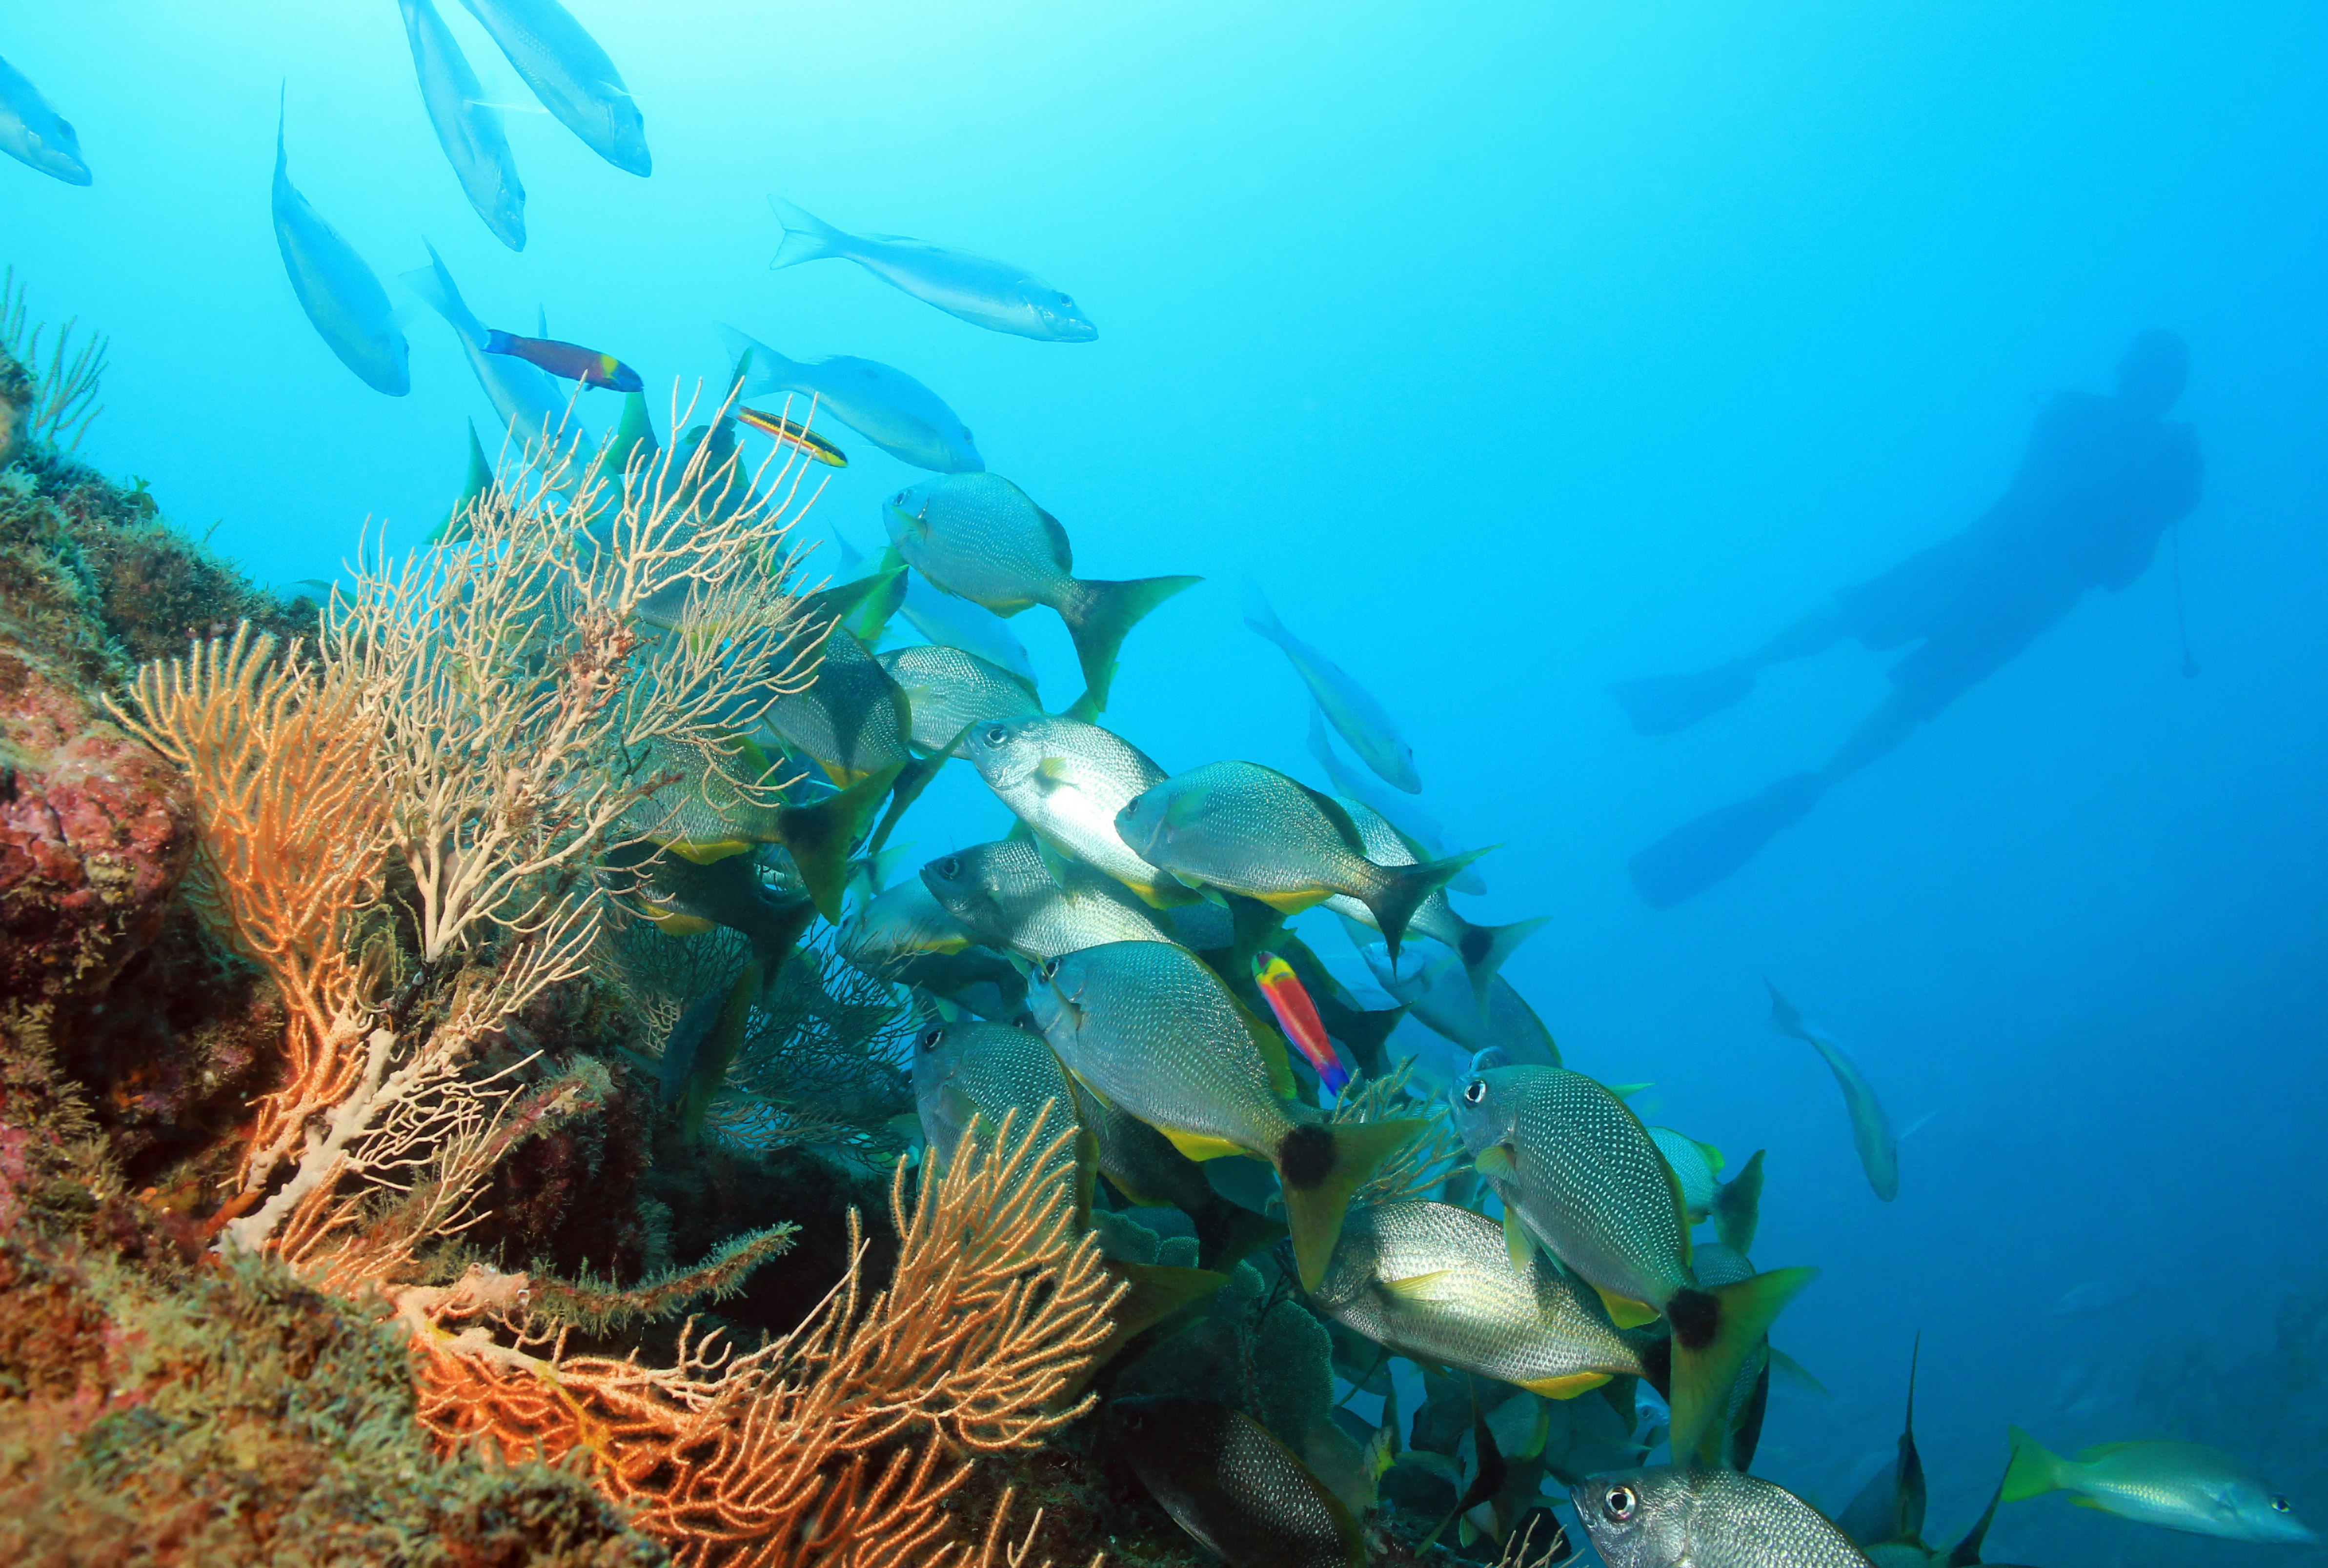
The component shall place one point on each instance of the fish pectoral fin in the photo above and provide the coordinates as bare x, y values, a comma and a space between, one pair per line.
1186, 880
1627, 1091
1567, 1387
1518, 1240
1199, 1146
1420, 1288
1496, 1161
1624, 1311
1055, 861
2081, 1500
681, 924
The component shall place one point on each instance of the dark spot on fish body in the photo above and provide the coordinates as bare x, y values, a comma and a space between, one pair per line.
1306, 1156
1695, 1315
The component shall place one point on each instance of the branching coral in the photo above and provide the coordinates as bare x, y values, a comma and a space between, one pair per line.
478, 714
65, 397
1422, 1165
829, 1445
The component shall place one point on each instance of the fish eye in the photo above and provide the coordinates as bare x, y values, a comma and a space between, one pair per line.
996, 735
931, 1036
1475, 1093
2279, 1506
948, 869
1617, 1502
1048, 969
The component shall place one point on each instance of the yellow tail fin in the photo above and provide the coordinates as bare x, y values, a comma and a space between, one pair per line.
1320, 1167
1713, 1332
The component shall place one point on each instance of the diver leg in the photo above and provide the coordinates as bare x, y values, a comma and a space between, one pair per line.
1878, 733
1663, 704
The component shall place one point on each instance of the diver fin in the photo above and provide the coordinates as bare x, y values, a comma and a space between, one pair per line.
1664, 704
1738, 1205
1700, 853
2034, 1470
1713, 1332
1099, 615
821, 836
1320, 1167
807, 238
1567, 1387
1404, 889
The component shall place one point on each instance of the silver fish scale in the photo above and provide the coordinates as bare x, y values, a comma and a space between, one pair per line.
1149, 1026
847, 718
948, 688
1257, 832
1068, 780
989, 1069
979, 536
1486, 1319
1592, 1185
1710, 1518
1007, 896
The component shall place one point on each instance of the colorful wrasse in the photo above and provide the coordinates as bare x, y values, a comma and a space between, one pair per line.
570, 361
1298, 1016
790, 434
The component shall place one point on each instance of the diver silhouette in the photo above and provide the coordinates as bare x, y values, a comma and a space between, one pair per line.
2102, 478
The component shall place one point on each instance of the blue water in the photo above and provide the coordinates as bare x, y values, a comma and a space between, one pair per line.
1514, 351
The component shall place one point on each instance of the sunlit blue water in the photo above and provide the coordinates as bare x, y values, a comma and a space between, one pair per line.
1515, 351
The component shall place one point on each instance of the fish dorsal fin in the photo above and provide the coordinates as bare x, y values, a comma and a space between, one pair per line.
1420, 1288
1061, 550
1338, 815
2087, 1456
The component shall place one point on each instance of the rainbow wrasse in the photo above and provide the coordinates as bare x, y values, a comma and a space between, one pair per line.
570, 362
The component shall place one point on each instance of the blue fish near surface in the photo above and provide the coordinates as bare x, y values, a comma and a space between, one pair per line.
33, 133
571, 75
336, 288
886, 407
988, 293
467, 128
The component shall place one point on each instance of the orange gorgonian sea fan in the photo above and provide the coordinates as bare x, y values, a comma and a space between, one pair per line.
836, 1444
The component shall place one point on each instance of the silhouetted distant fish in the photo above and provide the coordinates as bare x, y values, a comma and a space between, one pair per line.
2093, 1296
466, 127
569, 361
1363, 722
886, 407
1871, 1130
338, 293
983, 293
571, 75
35, 134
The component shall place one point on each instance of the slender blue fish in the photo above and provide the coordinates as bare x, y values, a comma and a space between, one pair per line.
886, 407
35, 134
527, 401
336, 288
1871, 1130
571, 75
1363, 721
467, 127
983, 293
